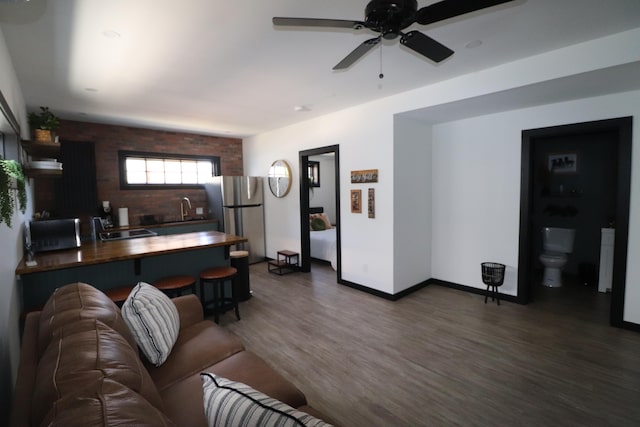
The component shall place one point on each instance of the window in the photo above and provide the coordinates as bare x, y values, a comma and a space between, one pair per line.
139, 170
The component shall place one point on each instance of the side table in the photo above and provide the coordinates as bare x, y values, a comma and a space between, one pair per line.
285, 263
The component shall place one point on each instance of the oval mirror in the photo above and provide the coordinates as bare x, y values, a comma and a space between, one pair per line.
279, 178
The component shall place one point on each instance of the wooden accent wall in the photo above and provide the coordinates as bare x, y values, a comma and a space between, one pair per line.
108, 139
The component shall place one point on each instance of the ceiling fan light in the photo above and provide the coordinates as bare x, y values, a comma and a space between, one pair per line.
473, 44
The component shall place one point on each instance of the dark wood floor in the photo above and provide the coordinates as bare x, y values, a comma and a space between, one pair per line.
441, 357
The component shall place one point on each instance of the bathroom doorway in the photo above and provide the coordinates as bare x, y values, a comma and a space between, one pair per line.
305, 185
576, 176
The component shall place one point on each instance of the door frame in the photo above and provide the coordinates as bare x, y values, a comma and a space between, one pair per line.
623, 128
305, 243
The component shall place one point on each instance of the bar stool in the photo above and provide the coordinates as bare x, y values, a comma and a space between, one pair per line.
217, 276
240, 261
119, 295
174, 285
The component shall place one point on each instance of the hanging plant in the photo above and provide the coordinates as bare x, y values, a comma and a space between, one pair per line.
11, 170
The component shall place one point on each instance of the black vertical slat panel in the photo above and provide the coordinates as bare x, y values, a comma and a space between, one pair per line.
76, 191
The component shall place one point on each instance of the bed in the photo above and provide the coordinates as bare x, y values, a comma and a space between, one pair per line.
323, 242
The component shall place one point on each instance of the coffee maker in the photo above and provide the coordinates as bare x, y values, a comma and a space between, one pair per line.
106, 215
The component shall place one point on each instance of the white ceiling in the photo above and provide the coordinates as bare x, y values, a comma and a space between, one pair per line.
221, 68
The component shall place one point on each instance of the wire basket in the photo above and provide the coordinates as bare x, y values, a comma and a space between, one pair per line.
492, 273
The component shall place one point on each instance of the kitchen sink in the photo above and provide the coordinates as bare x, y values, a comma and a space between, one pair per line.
126, 234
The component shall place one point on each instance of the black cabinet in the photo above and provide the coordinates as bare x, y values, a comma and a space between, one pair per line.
76, 191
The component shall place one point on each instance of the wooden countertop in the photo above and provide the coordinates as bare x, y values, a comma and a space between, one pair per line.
99, 252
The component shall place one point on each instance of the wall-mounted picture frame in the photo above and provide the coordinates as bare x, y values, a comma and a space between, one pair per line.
314, 173
563, 163
371, 203
356, 201
364, 176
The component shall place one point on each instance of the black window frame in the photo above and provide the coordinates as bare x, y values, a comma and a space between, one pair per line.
124, 154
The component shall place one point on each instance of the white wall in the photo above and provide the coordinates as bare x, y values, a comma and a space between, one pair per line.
476, 170
364, 144
10, 239
412, 203
476, 191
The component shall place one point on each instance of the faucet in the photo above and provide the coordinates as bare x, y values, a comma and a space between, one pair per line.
184, 212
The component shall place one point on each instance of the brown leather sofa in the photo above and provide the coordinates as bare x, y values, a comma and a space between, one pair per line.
80, 366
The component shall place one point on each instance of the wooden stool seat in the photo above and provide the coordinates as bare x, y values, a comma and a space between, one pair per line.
217, 276
174, 285
119, 294
217, 273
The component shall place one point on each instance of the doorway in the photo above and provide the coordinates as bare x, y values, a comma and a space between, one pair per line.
305, 244
553, 197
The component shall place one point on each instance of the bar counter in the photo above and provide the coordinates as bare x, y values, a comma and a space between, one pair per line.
99, 252
110, 264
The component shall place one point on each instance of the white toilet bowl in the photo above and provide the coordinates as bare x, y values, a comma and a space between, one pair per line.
553, 264
556, 244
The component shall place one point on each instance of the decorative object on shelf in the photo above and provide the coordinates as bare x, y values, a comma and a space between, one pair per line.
10, 171
364, 176
563, 163
44, 125
279, 178
371, 203
356, 201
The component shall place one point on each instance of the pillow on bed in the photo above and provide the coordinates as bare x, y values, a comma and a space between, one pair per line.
324, 217
317, 224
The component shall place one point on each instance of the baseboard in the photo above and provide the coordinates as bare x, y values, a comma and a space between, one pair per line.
470, 289
630, 326
385, 295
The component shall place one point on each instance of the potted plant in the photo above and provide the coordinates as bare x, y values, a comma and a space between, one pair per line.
43, 124
11, 177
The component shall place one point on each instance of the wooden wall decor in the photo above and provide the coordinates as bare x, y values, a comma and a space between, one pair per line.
364, 176
371, 203
356, 201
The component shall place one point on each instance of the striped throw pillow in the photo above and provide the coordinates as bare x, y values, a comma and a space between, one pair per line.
153, 320
233, 404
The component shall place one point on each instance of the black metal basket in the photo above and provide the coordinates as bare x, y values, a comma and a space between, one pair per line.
492, 273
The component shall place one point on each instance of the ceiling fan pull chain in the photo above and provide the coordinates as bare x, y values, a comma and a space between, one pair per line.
381, 76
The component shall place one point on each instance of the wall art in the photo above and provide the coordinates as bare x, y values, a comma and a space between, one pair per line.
563, 163
364, 176
371, 203
356, 201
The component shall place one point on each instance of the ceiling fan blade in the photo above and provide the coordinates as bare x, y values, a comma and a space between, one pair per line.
313, 22
449, 8
426, 46
357, 53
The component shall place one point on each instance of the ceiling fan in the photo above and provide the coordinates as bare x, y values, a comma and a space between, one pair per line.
390, 17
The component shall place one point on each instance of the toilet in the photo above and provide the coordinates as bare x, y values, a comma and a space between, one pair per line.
557, 243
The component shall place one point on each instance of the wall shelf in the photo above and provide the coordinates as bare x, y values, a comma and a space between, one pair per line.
41, 150
48, 150
42, 173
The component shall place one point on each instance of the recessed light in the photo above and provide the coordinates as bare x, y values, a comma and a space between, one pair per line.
473, 44
111, 34
300, 108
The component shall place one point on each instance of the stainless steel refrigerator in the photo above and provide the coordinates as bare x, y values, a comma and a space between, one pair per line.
236, 201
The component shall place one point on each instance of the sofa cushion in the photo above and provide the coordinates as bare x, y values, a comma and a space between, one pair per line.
154, 321
248, 368
84, 352
77, 301
198, 347
105, 403
230, 403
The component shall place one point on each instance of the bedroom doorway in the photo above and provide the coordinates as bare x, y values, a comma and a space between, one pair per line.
312, 195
